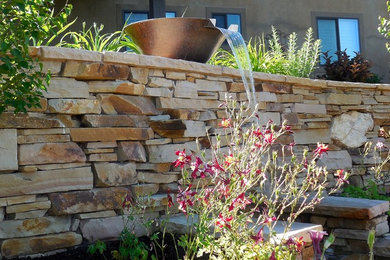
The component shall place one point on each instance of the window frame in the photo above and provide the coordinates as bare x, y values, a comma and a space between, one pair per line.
315, 16
224, 11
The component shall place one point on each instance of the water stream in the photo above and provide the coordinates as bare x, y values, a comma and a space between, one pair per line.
240, 52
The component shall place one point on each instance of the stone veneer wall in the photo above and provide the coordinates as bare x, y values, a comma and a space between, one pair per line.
111, 122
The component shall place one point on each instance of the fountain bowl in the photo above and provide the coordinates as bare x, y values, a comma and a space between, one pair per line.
192, 39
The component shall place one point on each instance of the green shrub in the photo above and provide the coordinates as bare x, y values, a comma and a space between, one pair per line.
23, 22
372, 192
384, 26
344, 68
275, 59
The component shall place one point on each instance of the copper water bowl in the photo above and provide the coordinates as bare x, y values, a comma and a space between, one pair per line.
192, 39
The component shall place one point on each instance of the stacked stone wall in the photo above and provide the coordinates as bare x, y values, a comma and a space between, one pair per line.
111, 122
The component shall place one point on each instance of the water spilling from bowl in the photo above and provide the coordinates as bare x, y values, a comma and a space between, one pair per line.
237, 45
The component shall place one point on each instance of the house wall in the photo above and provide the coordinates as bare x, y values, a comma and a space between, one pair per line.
110, 124
257, 18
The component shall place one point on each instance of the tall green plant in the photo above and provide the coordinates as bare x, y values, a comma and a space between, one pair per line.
94, 39
23, 22
277, 59
384, 26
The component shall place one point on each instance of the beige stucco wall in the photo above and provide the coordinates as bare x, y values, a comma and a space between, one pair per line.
258, 16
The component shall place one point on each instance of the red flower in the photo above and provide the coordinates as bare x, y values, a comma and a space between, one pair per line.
341, 177
321, 148
225, 123
185, 198
241, 201
217, 167
267, 219
273, 257
182, 159
199, 167
296, 244
259, 236
269, 138
223, 222
229, 160
170, 200
127, 202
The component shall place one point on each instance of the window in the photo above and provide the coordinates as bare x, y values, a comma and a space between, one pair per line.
224, 20
140, 16
338, 34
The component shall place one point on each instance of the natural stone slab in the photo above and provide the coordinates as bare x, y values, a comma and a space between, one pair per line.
99, 214
115, 120
119, 87
17, 200
98, 145
46, 181
120, 57
175, 75
290, 98
32, 139
158, 92
155, 82
166, 153
169, 128
100, 150
260, 97
351, 207
336, 160
103, 157
33, 245
194, 128
309, 108
120, 104
355, 223
360, 234
29, 120
66, 88
144, 189
156, 167
8, 150
111, 228
109, 134
131, 151
277, 88
115, 174
60, 53
158, 141
45, 167
382, 247
33, 227
28, 207
74, 106
139, 75
177, 103
265, 117
44, 153
95, 71
339, 99
87, 201
151, 177
350, 129
31, 214
49, 131
209, 85
312, 136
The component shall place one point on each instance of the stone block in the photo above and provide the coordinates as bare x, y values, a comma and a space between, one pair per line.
111, 228
277, 88
30, 214
260, 97
312, 136
17, 200
8, 150
46, 167
32, 139
120, 57
74, 106
265, 117
169, 128
103, 157
186, 89
117, 87
356, 223
175, 75
114, 174
145, 189
59, 53
139, 75
207, 115
44, 153
151, 177
39, 205
120, 104
33, 245
181, 103
29, 120
33, 227
336, 160
99, 150
95, 71
235, 87
98, 145
87, 201
99, 214
110, 134
289, 98
350, 129
184, 114
158, 141
46, 181
66, 88
166, 153
339, 99
160, 83
115, 120
208, 85
131, 151
156, 167
309, 108
382, 247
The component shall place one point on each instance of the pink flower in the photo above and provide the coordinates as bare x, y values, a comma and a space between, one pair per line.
199, 167
127, 202
316, 237
241, 201
225, 123
341, 177
268, 219
182, 159
321, 148
170, 200
185, 198
259, 237
273, 257
296, 244
223, 221
269, 138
